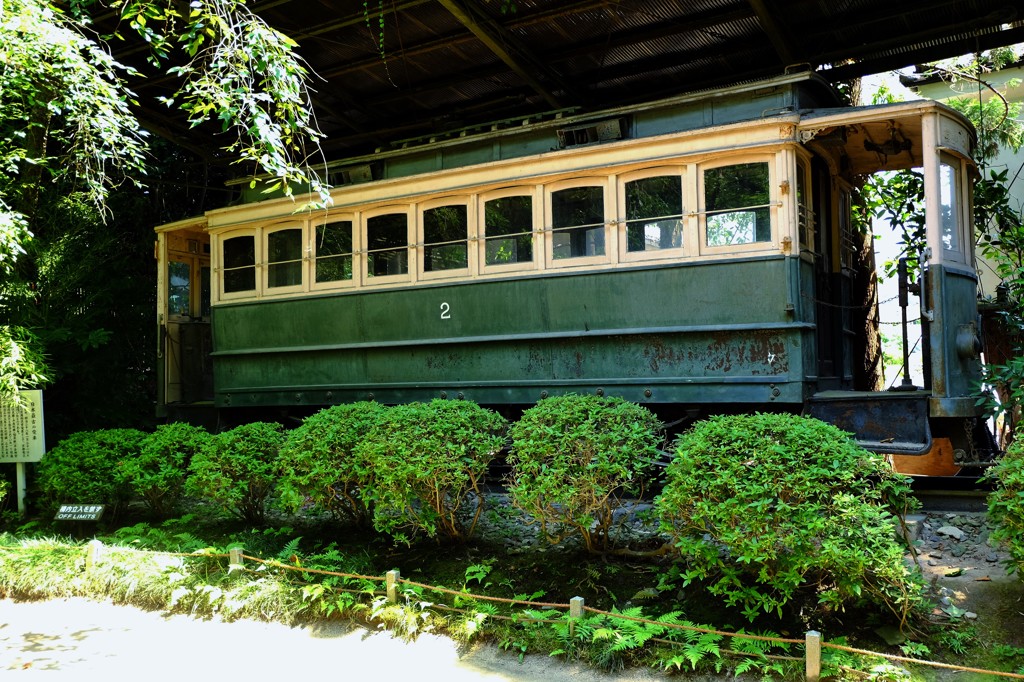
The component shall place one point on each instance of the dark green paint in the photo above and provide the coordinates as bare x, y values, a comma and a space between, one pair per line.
955, 376
693, 333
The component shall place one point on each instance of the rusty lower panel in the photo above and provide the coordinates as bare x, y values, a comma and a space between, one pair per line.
888, 423
748, 366
680, 333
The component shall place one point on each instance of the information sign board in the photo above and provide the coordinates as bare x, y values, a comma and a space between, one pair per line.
21, 429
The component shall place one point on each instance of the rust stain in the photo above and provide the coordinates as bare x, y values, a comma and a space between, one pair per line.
656, 352
721, 353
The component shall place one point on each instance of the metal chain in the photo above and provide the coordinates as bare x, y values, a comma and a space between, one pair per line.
848, 307
969, 432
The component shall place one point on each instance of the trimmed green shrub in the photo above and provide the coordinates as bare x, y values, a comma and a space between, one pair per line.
158, 474
763, 506
574, 457
1006, 503
317, 465
425, 461
239, 469
87, 468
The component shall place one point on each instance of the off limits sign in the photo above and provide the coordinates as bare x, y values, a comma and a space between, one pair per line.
21, 429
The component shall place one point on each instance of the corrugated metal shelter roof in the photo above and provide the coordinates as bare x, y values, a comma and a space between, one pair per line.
401, 69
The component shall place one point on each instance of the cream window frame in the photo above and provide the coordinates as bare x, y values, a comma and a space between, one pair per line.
601, 181
303, 260
193, 282
805, 218
536, 234
409, 276
958, 254
421, 241
355, 254
686, 248
771, 245
218, 242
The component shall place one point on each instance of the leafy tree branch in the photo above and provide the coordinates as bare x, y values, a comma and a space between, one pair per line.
66, 121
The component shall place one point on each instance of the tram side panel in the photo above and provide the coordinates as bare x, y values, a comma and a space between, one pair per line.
717, 332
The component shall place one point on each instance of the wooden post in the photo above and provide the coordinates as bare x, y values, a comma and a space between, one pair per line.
575, 613
235, 558
391, 578
812, 651
93, 552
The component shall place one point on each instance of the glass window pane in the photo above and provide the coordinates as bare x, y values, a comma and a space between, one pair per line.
577, 222
445, 230
803, 208
284, 258
239, 264
179, 286
387, 245
334, 251
949, 206
743, 188
654, 213
508, 230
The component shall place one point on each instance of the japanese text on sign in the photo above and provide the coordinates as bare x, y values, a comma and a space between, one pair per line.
21, 429
79, 512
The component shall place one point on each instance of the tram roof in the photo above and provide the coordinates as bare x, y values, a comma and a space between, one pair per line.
409, 69
879, 137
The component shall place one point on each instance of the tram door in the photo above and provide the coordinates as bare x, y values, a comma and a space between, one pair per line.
185, 342
830, 284
951, 283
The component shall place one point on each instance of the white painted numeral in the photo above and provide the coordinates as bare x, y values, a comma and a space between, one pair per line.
446, 311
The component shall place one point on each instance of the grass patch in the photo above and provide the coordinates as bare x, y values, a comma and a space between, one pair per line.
143, 564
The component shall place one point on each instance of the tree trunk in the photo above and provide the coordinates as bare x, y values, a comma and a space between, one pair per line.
867, 341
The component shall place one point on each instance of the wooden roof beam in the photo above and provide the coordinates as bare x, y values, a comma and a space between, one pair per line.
776, 33
502, 43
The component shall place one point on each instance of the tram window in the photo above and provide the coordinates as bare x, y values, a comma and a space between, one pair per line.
387, 241
445, 231
284, 258
334, 251
949, 206
577, 222
736, 204
179, 287
803, 207
508, 230
239, 264
654, 213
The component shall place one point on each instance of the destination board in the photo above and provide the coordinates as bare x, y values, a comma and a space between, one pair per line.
21, 429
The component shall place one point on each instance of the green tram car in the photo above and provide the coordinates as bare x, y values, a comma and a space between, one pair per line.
693, 254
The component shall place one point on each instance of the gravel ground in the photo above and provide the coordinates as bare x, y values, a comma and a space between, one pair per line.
966, 567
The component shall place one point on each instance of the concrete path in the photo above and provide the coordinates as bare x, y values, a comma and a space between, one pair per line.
90, 640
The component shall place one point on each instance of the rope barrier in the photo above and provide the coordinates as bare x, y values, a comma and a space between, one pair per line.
470, 595
551, 605
497, 616
918, 661
318, 571
773, 657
